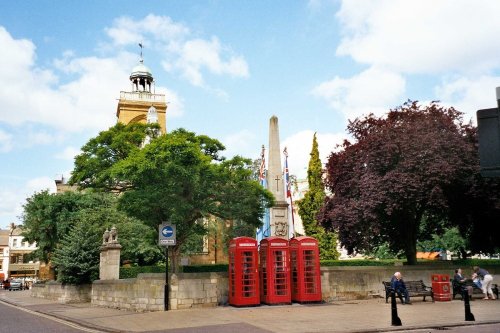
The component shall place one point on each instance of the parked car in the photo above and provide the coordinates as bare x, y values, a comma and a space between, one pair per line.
16, 285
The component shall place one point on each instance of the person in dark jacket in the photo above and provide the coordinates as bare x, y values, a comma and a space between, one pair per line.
399, 287
460, 280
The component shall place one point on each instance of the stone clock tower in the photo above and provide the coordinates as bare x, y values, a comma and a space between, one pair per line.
141, 104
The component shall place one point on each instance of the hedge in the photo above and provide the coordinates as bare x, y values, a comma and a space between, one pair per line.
132, 272
205, 268
359, 262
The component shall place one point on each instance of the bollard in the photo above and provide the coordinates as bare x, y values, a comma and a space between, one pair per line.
394, 310
468, 314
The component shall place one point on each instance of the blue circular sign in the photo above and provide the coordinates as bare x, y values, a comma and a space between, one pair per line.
167, 231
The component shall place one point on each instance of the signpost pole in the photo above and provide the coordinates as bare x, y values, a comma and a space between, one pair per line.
166, 278
166, 237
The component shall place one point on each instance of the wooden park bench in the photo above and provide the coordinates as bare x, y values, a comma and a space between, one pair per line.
414, 288
457, 288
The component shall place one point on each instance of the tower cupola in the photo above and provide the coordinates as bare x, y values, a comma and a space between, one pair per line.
141, 78
142, 104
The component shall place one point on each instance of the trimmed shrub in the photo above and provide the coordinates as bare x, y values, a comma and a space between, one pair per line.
132, 272
359, 262
206, 268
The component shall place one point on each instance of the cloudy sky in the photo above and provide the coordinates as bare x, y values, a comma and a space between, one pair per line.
226, 67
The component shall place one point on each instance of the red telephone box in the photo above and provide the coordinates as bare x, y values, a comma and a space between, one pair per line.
275, 271
243, 272
305, 266
441, 287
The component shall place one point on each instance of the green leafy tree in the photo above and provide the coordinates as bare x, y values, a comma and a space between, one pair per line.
450, 240
93, 166
311, 204
383, 251
138, 241
179, 177
77, 258
47, 217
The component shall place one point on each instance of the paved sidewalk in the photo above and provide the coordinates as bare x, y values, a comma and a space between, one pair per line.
346, 316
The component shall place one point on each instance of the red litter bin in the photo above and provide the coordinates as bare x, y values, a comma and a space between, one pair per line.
243, 272
441, 287
275, 271
305, 266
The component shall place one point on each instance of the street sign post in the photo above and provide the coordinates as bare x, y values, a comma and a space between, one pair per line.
167, 234
166, 237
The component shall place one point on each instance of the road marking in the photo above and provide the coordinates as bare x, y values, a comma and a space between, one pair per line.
61, 321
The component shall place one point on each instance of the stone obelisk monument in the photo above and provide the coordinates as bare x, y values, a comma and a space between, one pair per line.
279, 212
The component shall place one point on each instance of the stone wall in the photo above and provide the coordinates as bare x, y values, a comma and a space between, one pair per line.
195, 290
62, 293
146, 292
351, 282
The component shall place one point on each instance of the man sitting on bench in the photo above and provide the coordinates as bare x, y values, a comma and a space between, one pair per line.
460, 280
399, 287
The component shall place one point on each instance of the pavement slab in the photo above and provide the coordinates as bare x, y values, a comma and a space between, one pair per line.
341, 316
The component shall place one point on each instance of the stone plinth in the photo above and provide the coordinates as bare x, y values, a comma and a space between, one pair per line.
109, 266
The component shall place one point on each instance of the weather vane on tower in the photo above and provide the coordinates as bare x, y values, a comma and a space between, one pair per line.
140, 45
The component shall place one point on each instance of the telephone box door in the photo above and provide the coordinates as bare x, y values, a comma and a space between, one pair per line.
305, 267
275, 271
243, 272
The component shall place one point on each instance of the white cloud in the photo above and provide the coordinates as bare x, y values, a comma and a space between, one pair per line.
68, 153
469, 94
238, 143
192, 56
299, 148
12, 199
126, 30
34, 136
9, 206
197, 54
5, 142
373, 90
421, 36
33, 96
74, 94
175, 104
40, 184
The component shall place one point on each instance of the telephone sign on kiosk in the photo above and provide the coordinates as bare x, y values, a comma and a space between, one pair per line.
166, 234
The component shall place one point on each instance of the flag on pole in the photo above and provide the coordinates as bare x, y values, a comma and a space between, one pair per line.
287, 176
262, 169
288, 185
265, 229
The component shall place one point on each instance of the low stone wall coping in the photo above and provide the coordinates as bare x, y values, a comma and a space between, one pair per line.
195, 290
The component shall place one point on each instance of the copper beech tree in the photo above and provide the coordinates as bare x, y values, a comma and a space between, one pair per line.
418, 163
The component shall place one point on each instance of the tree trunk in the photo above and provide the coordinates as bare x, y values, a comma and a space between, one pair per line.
410, 245
411, 254
174, 258
463, 253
